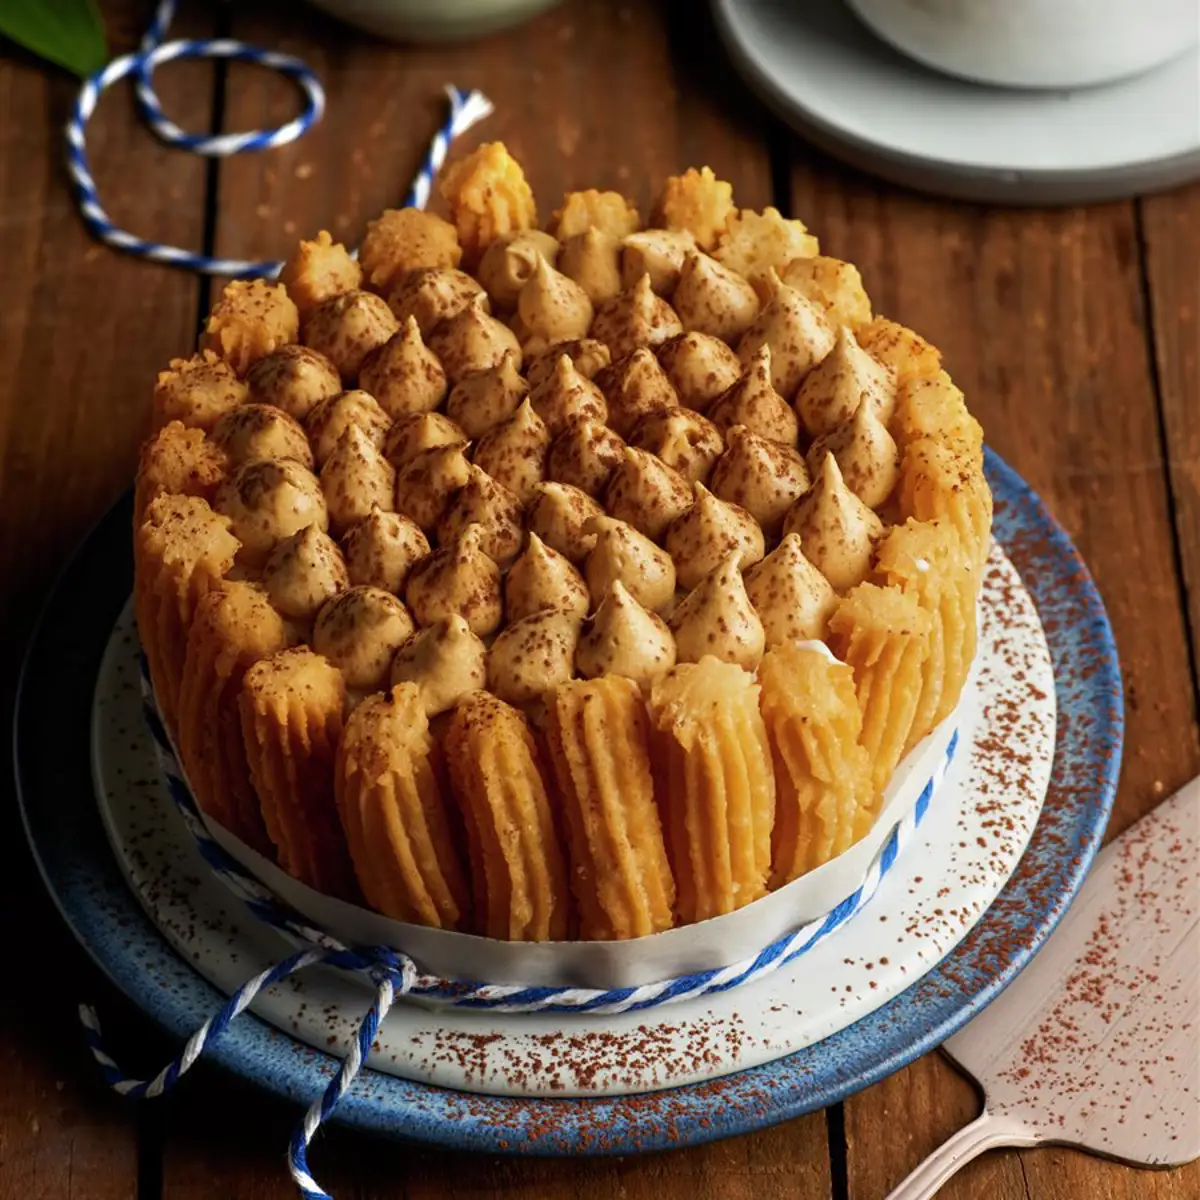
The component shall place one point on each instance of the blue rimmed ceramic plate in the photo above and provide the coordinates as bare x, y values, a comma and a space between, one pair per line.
52, 762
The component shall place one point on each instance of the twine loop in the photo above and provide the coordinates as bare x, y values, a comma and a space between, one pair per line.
466, 108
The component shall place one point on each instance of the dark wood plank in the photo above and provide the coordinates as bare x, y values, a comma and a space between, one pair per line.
641, 101
1170, 225
84, 331
590, 95
1040, 318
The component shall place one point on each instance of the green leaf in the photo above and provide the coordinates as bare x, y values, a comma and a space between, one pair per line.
67, 32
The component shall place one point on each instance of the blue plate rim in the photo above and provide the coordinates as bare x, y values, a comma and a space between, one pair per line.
81, 875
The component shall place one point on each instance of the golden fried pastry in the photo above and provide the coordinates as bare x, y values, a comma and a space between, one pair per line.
623, 554
401, 240
931, 406
682, 438
359, 631
488, 197
945, 481
347, 327
634, 387
484, 502
593, 260
291, 710
835, 285
585, 454
517, 869
558, 514
410, 435
624, 638
763, 476
598, 737
699, 367
712, 299
319, 270
484, 399
699, 202
754, 402
823, 799
251, 319
883, 634
702, 538
586, 354
458, 577
658, 253
718, 786
295, 379
382, 548
445, 661
847, 379
793, 599
472, 340
395, 814
177, 461
646, 493
254, 431
429, 481
908, 355
303, 572
197, 391
635, 317
433, 296
542, 578
509, 262
514, 453
928, 559
797, 331
182, 550
551, 308
355, 479
566, 396
838, 531
268, 500
866, 454
403, 374
533, 655
609, 213
233, 627
716, 619
754, 243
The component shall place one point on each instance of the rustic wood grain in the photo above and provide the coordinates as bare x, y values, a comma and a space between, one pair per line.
633, 106
590, 95
82, 334
1170, 227
1041, 321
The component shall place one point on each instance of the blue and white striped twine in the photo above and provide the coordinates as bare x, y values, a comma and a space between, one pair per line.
466, 108
393, 973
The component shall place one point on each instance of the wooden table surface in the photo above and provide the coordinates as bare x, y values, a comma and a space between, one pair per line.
1074, 333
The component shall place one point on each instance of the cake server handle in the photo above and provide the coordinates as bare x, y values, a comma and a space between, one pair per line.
986, 1132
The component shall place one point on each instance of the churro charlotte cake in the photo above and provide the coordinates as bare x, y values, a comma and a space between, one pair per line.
567, 581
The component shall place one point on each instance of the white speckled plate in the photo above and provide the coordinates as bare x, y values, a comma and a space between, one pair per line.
964, 852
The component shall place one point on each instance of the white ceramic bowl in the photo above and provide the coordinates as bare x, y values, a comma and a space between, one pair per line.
1036, 43
432, 20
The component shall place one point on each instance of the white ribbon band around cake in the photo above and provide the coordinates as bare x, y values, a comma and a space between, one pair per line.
714, 944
